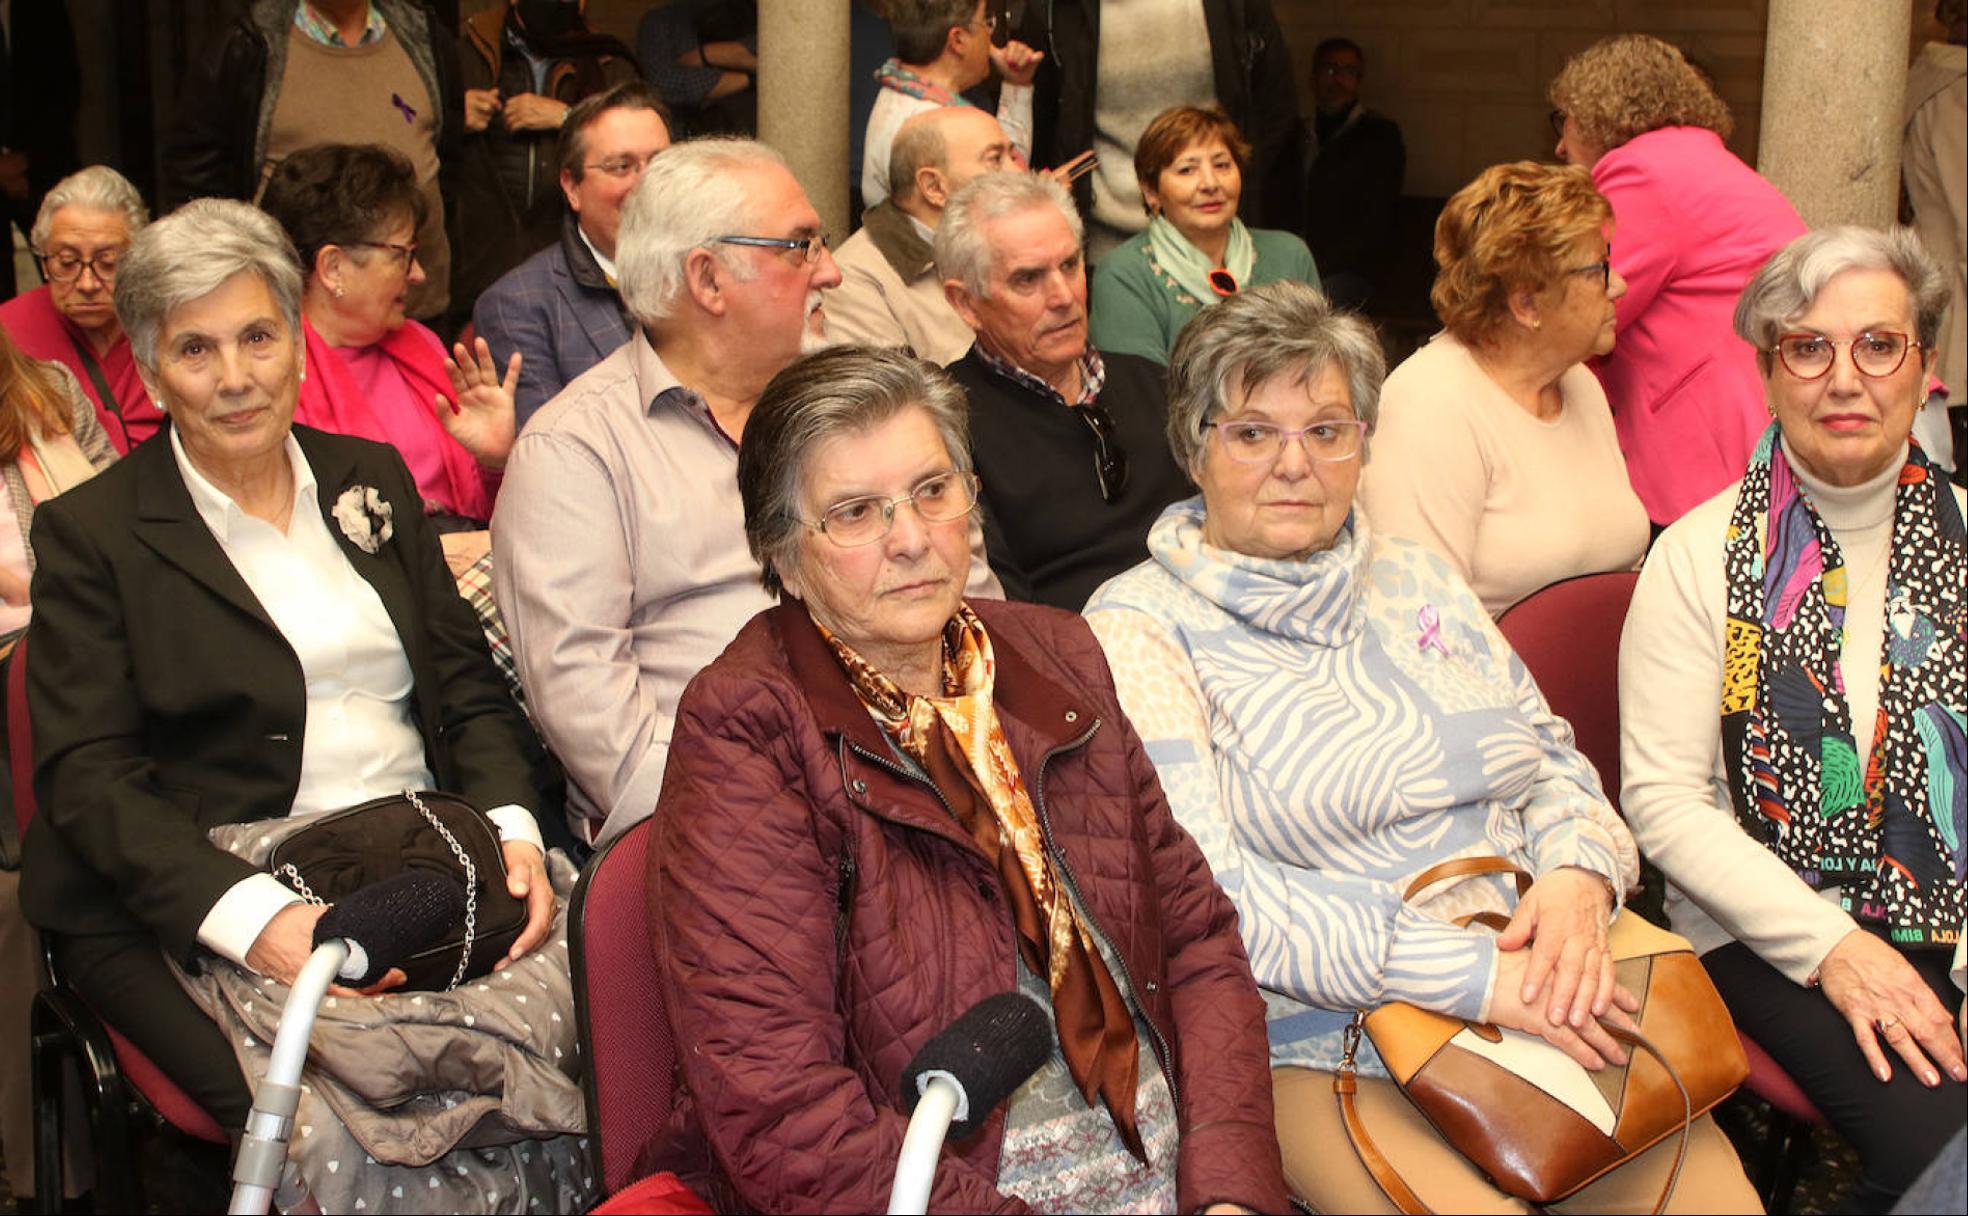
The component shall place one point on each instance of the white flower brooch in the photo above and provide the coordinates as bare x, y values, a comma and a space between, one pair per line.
365, 517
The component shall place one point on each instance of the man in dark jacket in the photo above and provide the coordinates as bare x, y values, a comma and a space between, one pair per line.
1249, 72
1069, 441
525, 63
290, 73
1354, 161
559, 309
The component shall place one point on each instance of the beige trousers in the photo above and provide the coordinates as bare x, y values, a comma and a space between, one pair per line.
1322, 1168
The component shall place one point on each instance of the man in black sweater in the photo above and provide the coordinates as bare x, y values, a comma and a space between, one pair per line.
1070, 443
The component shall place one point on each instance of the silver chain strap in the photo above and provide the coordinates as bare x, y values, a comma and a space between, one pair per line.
294, 879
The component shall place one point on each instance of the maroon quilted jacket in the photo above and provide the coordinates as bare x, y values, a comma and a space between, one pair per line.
821, 916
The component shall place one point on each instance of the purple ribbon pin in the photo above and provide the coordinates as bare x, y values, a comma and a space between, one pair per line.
1431, 630
409, 111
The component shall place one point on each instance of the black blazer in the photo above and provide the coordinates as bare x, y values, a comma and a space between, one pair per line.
165, 702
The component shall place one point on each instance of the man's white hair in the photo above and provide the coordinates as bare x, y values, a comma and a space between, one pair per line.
689, 196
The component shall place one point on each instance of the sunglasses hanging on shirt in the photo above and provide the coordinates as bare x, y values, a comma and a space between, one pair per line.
1110, 463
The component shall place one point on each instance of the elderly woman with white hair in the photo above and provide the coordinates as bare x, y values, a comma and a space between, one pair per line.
887, 801
250, 622
85, 225
1333, 715
1810, 824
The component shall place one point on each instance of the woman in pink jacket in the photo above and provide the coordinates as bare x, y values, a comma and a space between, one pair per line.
1692, 223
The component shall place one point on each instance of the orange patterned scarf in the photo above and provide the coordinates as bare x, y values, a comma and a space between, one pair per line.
959, 742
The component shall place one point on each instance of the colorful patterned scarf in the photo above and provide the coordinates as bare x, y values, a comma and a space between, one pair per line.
893, 75
959, 742
1887, 834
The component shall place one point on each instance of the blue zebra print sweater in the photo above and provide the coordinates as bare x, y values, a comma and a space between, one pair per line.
1328, 728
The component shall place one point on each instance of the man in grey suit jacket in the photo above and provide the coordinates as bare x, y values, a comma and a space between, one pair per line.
559, 308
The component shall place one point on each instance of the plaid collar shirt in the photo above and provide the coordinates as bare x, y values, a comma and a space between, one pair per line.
1093, 375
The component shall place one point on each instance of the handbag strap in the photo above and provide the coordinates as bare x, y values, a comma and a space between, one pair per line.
1389, 1180
1462, 867
96, 378
1385, 1176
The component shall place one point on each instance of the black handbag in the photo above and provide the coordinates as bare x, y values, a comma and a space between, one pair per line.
346, 850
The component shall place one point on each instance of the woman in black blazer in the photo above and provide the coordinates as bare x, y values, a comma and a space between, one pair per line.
243, 620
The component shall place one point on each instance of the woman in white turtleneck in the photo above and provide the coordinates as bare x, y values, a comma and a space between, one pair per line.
1810, 824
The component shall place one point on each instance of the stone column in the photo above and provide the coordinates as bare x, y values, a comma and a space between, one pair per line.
802, 102
1834, 79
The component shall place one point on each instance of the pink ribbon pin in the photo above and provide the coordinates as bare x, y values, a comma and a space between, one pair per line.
1431, 630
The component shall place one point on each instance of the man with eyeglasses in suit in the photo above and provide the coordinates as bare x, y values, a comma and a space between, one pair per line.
560, 308
1068, 440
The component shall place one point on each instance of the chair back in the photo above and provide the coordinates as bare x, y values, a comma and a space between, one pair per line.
626, 1043
1568, 635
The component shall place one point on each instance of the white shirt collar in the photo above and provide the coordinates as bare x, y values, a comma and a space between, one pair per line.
216, 507
607, 264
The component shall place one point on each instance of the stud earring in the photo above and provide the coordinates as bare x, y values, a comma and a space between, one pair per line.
337, 291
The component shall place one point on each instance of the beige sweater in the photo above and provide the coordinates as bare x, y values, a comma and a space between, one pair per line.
1723, 885
890, 294
368, 95
1513, 501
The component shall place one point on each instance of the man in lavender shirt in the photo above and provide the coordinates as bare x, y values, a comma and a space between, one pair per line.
619, 555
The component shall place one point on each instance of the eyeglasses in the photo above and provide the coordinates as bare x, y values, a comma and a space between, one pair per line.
997, 19
810, 247
66, 266
863, 521
1602, 268
1110, 462
1263, 442
1875, 353
1557, 119
625, 165
402, 254
1349, 70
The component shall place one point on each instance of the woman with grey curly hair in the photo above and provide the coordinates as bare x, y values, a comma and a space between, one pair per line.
1325, 706
1810, 823
1691, 223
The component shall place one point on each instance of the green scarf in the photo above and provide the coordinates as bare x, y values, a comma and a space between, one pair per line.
1189, 267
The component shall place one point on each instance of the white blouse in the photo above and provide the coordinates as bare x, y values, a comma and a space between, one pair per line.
359, 742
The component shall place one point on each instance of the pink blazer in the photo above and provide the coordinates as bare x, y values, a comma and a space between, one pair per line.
1691, 224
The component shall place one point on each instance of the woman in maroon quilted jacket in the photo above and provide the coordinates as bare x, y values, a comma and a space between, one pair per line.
884, 804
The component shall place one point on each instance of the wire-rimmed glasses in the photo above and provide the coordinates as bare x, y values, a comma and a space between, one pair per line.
1876, 353
938, 498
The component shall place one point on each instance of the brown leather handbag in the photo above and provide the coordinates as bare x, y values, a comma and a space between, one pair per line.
1536, 1122
346, 850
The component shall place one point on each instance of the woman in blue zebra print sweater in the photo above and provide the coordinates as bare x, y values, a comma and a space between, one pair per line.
1331, 712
